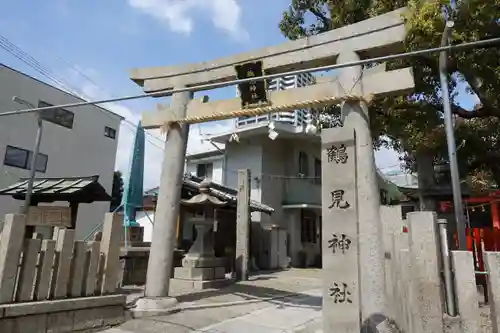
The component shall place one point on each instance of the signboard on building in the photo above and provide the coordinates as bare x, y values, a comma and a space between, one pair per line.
49, 216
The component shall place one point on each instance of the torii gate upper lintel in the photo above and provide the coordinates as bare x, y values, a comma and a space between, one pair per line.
374, 37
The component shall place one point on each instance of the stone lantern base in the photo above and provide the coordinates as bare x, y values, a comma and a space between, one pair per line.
200, 273
200, 268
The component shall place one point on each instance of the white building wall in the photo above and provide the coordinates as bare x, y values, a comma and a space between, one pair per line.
77, 152
275, 182
301, 190
274, 167
245, 156
217, 168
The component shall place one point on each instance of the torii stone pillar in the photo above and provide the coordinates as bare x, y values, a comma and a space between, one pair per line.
371, 254
168, 205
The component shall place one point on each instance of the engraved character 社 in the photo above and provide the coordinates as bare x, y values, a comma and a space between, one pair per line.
340, 293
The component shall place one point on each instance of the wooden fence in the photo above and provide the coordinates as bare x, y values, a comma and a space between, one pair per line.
37, 270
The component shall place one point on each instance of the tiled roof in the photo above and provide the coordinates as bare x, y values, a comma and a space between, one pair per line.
219, 191
76, 189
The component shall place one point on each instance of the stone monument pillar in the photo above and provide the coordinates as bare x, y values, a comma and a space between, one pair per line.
340, 246
371, 252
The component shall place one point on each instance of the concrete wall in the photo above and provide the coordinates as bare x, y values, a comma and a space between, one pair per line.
274, 162
299, 191
77, 152
281, 157
87, 314
245, 155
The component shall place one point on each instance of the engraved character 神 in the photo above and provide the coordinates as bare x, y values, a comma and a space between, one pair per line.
340, 243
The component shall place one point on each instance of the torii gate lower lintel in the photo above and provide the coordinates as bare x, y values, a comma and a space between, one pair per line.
355, 87
383, 83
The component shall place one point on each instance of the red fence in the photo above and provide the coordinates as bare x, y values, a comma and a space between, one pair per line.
480, 240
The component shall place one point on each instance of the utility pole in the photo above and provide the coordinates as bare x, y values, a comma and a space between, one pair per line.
450, 140
36, 151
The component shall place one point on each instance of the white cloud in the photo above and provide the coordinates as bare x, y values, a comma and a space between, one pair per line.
179, 14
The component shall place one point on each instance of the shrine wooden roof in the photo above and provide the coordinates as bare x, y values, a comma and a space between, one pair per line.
70, 189
192, 184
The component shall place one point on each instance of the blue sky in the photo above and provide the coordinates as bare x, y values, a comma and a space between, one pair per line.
103, 40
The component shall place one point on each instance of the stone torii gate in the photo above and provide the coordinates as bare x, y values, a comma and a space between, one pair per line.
352, 294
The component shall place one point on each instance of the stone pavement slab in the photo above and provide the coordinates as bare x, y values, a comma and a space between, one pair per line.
298, 300
287, 315
284, 315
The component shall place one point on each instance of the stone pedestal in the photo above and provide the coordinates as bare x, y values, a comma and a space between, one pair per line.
200, 268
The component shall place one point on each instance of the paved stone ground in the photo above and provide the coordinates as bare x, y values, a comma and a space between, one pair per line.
299, 305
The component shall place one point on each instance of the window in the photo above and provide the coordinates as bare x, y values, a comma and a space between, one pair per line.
41, 162
303, 165
109, 132
16, 157
57, 116
21, 158
204, 170
317, 171
308, 229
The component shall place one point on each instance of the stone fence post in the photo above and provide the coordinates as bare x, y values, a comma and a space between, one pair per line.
427, 311
11, 244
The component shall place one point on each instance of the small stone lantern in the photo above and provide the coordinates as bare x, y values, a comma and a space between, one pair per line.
200, 268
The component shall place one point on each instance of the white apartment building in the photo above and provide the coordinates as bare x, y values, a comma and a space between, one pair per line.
208, 164
80, 142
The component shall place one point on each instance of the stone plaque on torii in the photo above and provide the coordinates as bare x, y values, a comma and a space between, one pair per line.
359, 292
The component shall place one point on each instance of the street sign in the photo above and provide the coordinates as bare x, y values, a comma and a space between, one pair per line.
252, 93
49, 216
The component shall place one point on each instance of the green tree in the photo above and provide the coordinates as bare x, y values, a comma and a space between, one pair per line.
116, 191
414, 123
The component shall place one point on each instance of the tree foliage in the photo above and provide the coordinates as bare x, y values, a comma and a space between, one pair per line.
116, 191
414, 124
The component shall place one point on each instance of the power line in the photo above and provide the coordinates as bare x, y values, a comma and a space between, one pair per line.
475, 44
89, 79
32, 62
